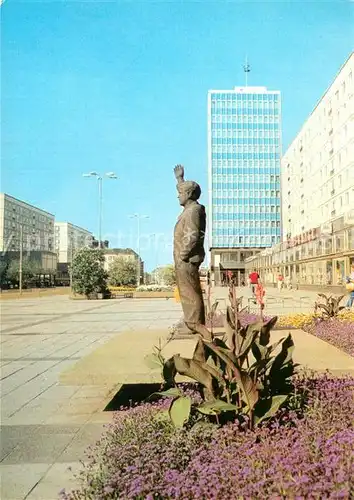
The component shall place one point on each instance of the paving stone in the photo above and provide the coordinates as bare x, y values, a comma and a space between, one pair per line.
60, 475
43, 448
17, 480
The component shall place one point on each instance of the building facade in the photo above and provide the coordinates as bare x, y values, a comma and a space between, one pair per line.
318, 196
69, 238
244, 150
24, 226
318, 167
111, 254
314, 259
37, 226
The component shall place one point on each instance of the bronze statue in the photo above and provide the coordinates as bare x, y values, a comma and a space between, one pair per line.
188, 253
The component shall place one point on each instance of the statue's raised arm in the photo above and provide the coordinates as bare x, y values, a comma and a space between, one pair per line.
179, 173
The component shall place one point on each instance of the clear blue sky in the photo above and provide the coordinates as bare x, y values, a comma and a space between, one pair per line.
122, 86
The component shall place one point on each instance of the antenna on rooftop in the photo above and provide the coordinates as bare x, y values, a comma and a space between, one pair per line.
246, 69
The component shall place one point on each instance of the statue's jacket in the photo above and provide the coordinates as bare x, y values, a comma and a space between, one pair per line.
189, 234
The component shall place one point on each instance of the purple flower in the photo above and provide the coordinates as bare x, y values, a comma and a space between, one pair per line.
306, 453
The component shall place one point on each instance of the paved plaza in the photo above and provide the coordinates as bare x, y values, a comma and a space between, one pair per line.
47, 426
64, 360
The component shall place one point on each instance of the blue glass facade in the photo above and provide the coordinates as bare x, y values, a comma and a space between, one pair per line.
244, 144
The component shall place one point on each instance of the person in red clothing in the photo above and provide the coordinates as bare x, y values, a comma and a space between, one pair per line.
254, 280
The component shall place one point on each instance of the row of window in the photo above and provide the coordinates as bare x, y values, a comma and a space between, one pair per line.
230, 241
233, 124
245, 156
236, 139
248, 223
245, 118
262, 104
244, 175
241, 110
224, 213
239, 208
272, 133
11, 208
245, 232
261, 147
245, 163
243, 96
245, 193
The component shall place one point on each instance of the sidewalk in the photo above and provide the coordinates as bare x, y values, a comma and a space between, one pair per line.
277, 302
47, 426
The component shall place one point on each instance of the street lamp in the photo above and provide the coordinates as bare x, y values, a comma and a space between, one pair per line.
138, 217
99, 177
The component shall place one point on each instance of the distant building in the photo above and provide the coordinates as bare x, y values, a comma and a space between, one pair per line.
37, 226
111, 254
244, 149
37, 229
69, 238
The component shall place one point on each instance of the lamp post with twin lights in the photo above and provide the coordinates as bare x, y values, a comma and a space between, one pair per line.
99, 177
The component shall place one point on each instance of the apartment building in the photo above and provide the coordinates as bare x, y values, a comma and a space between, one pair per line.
68, 238
318, 167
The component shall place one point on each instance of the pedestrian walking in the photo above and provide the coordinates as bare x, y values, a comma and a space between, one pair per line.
280, 281
254, 280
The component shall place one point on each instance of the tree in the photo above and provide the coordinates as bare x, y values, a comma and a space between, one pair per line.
123, 272
30, 269
3, 272
88, 274
166, 275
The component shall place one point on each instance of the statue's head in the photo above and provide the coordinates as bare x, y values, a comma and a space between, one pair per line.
188, 190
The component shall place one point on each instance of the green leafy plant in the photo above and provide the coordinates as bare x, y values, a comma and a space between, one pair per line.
88, 274
122, 272
30, 269
242, 373
331, 307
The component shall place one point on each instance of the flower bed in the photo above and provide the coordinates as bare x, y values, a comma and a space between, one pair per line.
338, 331
155, 288
305, 453
334, 331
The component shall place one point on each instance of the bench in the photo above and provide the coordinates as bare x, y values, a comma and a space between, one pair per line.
124, 295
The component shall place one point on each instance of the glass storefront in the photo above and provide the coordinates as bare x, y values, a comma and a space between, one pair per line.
324, 261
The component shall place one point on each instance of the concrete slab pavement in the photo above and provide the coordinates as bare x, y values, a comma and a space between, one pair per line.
45, 426
277, 302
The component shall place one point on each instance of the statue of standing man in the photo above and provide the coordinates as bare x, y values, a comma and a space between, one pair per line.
188, 253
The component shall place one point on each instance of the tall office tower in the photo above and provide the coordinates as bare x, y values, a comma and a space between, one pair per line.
244, 150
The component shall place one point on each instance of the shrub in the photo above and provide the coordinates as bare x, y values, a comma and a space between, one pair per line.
123, 272
330, 308
305, 452
88, 274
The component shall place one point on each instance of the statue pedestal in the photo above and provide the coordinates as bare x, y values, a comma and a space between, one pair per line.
182, 332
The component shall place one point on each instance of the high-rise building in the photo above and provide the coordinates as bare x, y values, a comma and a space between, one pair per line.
37, 226
317, 250
30, 229
69, 238
317, 168
244, 150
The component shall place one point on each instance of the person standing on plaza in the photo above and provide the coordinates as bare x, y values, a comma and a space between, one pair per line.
350, 288
280, 281
254, 280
